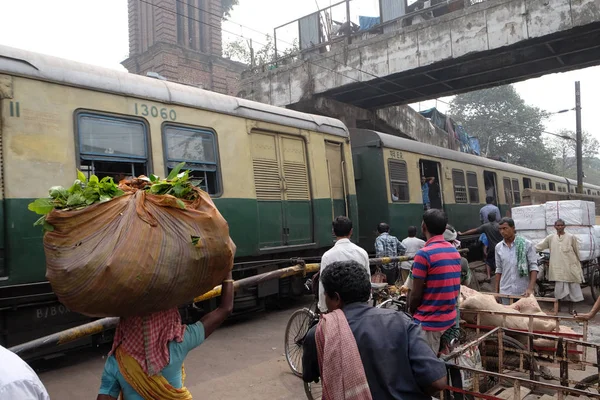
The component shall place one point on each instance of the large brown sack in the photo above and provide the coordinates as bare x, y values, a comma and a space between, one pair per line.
134, 254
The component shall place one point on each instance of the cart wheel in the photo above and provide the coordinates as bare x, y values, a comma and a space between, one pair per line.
295, 331
511, 359
314, 391
595, 283
591, 382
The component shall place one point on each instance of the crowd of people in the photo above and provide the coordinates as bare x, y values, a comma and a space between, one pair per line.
356, 350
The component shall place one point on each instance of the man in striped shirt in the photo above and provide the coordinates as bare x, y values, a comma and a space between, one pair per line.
436, 280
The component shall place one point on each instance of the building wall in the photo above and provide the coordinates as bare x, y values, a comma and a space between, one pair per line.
182, 42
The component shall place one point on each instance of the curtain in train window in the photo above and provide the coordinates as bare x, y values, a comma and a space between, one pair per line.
398, 181
473, 187
460, 188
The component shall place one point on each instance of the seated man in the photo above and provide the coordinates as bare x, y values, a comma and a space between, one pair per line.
368, 352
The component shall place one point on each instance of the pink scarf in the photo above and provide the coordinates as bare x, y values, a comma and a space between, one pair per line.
342, 372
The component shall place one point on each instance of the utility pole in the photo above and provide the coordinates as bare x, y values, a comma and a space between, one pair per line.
579, 147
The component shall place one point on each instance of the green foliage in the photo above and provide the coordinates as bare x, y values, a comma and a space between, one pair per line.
81, 194
84, 193
505, 126
239, 50
227, 5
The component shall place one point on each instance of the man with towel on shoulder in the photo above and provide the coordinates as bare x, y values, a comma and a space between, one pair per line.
362, 352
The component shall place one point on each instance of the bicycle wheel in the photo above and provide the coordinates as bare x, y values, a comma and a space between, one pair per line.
314, 391
296, 329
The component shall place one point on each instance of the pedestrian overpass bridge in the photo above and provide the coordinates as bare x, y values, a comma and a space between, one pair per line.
401, 61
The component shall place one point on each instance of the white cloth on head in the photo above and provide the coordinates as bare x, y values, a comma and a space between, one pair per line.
17, 379
568, 291
343, 250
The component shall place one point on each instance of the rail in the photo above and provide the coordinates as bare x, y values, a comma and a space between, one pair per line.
100, 325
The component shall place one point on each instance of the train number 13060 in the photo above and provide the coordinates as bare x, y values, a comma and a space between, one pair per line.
145, 110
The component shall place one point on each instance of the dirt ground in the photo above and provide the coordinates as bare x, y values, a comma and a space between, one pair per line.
242, 360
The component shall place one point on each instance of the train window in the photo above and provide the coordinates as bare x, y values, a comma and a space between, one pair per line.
538, 186
473, 187
552, 186
112, 146
460, 188
198, 149
526, 183
398, 180
507, 190
544, 187
516, 191
572, 190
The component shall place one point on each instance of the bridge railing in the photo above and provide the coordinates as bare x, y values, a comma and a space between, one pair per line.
352, 20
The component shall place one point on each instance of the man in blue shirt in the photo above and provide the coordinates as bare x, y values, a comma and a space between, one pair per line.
487, 209
387, 245
425, 182
397, 361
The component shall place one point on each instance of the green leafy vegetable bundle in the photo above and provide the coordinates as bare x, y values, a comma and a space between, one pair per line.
86, 192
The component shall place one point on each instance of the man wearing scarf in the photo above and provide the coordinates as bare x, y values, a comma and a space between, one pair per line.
146, 359
516, 263
362, 352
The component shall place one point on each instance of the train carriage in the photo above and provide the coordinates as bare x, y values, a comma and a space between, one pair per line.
277, 176
388, 171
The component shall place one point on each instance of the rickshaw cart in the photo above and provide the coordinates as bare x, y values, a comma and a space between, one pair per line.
502, 380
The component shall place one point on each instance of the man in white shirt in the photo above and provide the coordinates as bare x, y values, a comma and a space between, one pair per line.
343, 250
17, 379
412, 244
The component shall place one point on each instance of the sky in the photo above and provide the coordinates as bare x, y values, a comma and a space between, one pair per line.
96, 32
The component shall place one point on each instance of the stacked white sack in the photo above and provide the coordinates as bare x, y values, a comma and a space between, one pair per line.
585, 238
534, 236
573, 212
529, 218
596, 232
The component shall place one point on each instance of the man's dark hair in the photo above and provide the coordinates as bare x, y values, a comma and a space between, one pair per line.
508, 221
435, 220
492, 216
489, 200
342, 226
383, 227
349, 279
412, 231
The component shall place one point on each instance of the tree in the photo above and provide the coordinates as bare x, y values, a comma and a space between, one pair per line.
564, 151
505, 125
227, 5
241, 50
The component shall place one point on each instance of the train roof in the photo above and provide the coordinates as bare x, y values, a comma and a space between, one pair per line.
369, 137
53, 69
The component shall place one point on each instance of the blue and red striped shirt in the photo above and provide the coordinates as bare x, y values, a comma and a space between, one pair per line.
438, 263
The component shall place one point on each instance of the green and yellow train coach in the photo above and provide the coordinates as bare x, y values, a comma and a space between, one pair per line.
277, 176
388, 171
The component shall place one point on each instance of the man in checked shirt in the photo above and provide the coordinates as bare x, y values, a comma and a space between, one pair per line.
387, 245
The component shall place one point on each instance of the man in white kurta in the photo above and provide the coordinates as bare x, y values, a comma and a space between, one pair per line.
565, 266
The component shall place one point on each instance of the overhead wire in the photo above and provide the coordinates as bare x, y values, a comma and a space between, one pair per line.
320, 57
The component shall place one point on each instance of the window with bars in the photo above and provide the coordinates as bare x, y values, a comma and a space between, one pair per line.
473, 187
460, 188
507, 190
112, 146
398, 181
538, 186
198, 149
544, 187
516, 191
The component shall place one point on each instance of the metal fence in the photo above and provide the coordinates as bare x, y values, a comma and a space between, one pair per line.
349, 19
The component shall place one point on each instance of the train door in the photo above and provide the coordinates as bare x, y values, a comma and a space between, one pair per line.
491, 185
335, 171
282, 190
432, 169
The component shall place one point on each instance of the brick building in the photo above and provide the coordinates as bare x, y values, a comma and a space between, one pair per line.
181, 40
